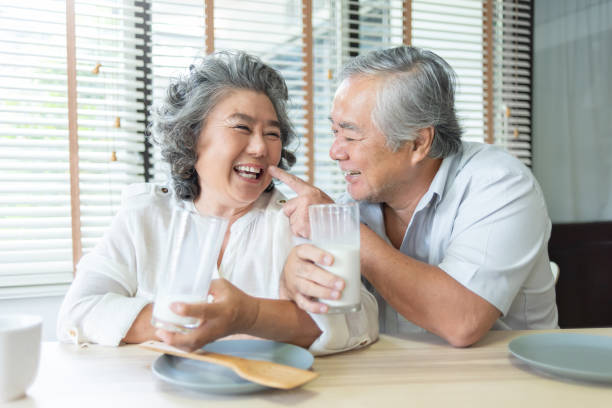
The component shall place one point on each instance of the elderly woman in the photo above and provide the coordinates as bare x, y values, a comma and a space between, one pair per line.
219, 129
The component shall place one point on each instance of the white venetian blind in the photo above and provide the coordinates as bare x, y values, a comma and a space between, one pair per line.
327, 59
511, 102
110, 103
271, 30
35, 224
177, 38
453, 29
341, 30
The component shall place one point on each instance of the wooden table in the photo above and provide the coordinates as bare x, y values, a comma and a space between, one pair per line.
409, 371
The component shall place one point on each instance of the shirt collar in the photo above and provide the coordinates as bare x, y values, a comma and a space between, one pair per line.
439, 184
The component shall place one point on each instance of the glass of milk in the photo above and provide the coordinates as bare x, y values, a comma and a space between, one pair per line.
335, 229
190, 262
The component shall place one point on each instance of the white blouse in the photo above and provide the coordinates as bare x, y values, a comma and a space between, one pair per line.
118, 277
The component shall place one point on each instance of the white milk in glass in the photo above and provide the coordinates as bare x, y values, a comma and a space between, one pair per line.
335, 229
347, 266
166, 318
190, 260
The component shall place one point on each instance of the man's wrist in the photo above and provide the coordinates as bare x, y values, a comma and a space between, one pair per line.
366, 237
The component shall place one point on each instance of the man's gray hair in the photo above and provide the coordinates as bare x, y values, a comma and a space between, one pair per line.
179, 119
417, 91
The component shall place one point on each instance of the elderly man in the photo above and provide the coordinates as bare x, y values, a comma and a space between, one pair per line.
454, 234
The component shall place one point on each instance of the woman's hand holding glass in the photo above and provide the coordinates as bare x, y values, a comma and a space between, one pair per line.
189, 267
232, 311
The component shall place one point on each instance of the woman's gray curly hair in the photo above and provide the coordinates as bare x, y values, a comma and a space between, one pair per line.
190, 98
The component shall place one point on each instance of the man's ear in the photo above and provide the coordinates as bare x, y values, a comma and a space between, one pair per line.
422, 144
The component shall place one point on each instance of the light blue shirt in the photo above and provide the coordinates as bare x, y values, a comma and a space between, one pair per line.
484, 222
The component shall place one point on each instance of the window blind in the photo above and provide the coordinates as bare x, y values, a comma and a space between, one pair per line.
511, 70
35, 235
126, 51
177, 38
35, 223
327, 60
341, 30
453, 29
111, 114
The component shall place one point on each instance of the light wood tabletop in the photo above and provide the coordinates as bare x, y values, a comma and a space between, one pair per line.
408, 371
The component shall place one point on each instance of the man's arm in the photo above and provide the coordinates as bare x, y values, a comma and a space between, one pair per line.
425, 294
422, 293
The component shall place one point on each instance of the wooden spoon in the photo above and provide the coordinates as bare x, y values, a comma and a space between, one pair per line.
261, 372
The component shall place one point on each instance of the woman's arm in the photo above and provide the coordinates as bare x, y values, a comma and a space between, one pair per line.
99, 309
142, 329
233, 312
102, 303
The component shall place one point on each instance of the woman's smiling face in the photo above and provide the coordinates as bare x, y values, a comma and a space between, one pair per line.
239, 140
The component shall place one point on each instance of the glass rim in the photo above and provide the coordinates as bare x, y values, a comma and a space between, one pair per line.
16, 322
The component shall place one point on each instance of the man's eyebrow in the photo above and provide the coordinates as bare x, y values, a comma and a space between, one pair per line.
346, 125
249, 119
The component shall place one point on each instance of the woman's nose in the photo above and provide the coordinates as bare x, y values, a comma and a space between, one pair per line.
257, 145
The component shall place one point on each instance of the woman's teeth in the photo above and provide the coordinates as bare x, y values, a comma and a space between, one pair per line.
249, 172
351, 173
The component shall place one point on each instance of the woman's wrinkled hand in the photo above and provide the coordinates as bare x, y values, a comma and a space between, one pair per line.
232, 311
304, 282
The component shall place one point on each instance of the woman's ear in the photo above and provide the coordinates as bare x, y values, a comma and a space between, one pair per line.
422, 144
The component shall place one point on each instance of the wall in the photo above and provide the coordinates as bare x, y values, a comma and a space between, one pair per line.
572, 118
46, 307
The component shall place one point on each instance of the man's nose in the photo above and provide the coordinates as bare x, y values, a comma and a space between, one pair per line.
337, 151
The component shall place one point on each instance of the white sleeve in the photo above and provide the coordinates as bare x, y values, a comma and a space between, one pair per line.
100, 305
346, 331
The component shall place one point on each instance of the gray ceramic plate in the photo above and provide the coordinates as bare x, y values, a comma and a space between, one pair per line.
572, 355
212, 378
